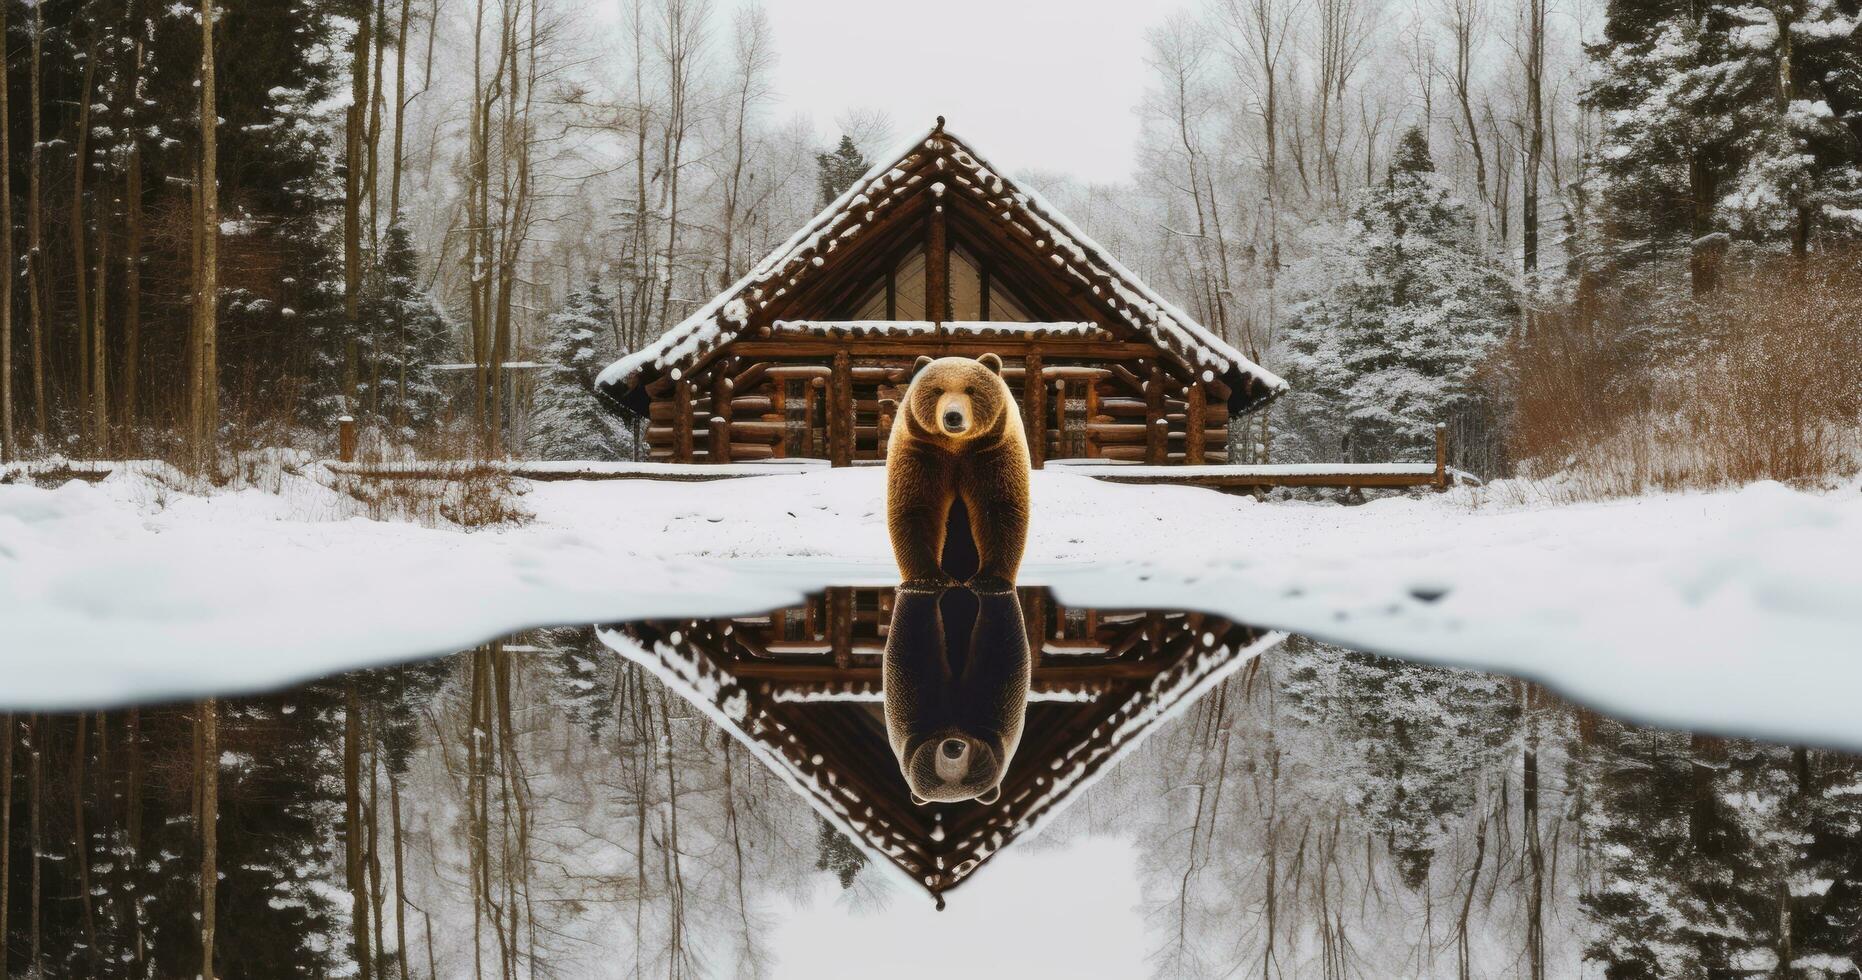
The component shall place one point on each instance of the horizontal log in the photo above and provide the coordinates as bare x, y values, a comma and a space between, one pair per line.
1041, 676
749, 428
797, 372
911, 346
752, 405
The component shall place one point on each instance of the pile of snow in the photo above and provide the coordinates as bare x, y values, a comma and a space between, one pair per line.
1733, 611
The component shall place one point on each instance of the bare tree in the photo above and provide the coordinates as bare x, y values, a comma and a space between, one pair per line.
208, 767
36, 284
1466, 25
7, 448
753, 56
1533, 65
206, 401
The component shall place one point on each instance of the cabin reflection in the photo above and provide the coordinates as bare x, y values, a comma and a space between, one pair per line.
803, 688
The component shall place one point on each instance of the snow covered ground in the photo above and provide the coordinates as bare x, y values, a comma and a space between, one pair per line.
1736, 611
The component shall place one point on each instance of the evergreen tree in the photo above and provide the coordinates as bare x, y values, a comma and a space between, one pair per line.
835, 853
1392, 316
568, 420
1704, 135
412, 334
839, 169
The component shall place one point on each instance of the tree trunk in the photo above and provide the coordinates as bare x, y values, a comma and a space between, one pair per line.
206, 415
400, 119
132, 736
355, 163
1535, 140
80, 841
209, 769
400, 888
80, 258
8, 449
352, 826
132, 257
6, 779
36, 286
36, 806
376, 896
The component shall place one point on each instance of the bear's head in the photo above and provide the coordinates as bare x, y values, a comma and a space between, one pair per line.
956, 691
952, 766
957, 398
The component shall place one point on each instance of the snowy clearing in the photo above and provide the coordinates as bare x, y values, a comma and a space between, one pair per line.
1735, 611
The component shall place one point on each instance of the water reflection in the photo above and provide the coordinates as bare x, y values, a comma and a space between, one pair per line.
956, 690
543, 806
848, 693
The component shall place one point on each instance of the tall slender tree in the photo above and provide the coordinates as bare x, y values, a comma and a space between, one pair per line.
206, 402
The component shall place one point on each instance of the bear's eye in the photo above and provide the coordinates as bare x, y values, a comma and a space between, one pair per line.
970, 390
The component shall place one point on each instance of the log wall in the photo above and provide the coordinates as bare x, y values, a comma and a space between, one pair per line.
839, 404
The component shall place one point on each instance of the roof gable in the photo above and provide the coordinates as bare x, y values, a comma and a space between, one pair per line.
826, 740
931, 170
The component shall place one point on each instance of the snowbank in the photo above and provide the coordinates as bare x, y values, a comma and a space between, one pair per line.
1737, 611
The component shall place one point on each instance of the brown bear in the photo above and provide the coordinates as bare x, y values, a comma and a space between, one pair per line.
956, 682
957, 462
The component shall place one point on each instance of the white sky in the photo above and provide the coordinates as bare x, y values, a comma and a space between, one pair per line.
1046, 85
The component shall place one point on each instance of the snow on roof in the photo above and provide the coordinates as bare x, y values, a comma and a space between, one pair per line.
879, 191
955, 328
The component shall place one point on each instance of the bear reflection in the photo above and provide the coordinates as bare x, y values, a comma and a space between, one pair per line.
956, 689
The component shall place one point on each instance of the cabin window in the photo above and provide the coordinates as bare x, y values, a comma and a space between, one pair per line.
974, 293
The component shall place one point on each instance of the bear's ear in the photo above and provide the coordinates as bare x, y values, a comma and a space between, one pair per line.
992, 362
993, 793
917, 801
924, 361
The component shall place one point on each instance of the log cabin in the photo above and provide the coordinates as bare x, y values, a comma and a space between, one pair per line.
934, 251
801, 689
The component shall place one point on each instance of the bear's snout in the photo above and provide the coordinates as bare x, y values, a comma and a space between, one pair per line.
953, 414
953, 762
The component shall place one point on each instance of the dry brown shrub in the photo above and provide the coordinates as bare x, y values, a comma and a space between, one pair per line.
1761, 381
467, 489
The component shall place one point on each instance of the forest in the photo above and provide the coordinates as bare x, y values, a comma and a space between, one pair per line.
441, 219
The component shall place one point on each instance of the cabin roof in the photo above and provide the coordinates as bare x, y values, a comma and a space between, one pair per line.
824, 741
938, 163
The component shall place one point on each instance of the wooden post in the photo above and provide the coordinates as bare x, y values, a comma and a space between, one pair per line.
1037, 625
1441, 457
1034, 398
346, 439
1196, 420
887, 407
937, 265
682, 421
809, 448
1156, 429
720, 448
840, 625
840, 412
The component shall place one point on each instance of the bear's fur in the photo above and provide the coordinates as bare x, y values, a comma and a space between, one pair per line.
956, 683
958, 451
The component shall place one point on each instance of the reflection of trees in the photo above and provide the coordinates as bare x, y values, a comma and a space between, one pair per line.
1330, 814
547, 809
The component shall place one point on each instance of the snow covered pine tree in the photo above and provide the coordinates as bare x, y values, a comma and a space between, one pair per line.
1393, 312
568, 420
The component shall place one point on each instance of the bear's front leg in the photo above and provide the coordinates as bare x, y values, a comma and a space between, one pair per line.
918, 498
998, 505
